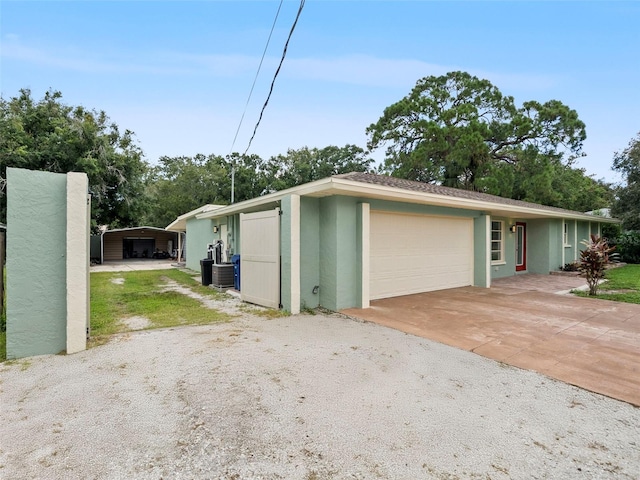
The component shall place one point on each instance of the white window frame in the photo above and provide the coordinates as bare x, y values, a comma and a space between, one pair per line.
501, 260
565, 234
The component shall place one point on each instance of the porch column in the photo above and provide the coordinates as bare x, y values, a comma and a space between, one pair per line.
364, 248
295, 254
482, 251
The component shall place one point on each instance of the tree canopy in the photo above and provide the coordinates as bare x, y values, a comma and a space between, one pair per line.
310, 164
51, 136
461, 131
180, 184
627, 204
456, 130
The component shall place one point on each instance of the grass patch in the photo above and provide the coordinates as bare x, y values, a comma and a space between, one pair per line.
622, 285
118, 295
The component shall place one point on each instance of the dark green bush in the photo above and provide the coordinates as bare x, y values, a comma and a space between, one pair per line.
571, 267
628, 247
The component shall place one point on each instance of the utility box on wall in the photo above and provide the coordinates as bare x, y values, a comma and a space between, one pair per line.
48, 217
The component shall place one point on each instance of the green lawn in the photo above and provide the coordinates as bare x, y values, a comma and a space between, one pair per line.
118, 295
622, 285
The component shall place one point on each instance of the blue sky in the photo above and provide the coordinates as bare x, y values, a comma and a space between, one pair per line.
178, 73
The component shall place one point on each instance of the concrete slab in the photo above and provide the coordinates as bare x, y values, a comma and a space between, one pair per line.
590, 343
135, 264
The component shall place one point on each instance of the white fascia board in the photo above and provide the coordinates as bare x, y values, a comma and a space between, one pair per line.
302, 190
331, 185
180, 223
350, 187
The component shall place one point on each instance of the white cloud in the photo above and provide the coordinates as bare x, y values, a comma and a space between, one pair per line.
362, 70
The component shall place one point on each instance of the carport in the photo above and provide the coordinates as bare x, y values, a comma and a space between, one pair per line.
590, 343
137, 243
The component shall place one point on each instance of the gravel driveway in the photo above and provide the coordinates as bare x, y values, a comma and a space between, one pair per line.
303, 397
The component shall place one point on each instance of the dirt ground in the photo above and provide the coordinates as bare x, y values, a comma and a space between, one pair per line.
302, 397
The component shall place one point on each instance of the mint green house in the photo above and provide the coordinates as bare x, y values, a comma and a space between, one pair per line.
343, 241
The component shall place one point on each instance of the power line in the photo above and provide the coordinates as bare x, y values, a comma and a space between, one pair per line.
256, 77
284, 53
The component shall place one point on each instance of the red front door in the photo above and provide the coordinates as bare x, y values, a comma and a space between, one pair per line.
521, 246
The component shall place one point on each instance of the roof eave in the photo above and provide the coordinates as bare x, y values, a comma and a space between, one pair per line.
352, 187
337, 185
302, 190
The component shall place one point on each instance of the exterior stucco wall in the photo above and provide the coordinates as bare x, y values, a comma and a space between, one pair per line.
481, 230
36, 284
507, 267
338, 252
583, 233
199, 234
570, 248
538, 246
47, 262
309, 251
556, 244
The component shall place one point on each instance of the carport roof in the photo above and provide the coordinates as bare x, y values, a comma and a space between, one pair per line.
180, 223
155, 229
369, 185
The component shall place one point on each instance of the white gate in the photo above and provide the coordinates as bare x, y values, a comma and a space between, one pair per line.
260, 258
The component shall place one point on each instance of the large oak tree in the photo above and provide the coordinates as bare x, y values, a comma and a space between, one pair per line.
461, 131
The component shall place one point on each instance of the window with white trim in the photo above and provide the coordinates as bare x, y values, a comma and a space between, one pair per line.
565, 237
497, 241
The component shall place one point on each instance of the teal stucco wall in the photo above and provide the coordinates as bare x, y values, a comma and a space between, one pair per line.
570, 248
556, 244
544, 245
507, 267
338, 252
480, 251
199, 234
36, 263
309, 251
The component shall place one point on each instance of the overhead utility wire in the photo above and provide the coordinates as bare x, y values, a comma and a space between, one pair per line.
284, 53
256, 77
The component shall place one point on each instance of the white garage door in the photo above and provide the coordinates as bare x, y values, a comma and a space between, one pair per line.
419, 253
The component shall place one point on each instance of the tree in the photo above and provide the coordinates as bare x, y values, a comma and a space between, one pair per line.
180, 184
547, 181
310, 164
627, 204
51, 136
461, 131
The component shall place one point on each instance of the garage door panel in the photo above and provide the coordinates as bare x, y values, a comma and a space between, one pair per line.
418, 253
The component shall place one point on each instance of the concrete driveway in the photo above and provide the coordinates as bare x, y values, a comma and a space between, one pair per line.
594, 344
134, 264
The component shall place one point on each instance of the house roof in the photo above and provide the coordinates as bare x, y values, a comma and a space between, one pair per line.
180, 223
383, 187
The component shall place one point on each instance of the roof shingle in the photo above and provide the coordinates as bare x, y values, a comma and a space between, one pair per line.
411, 185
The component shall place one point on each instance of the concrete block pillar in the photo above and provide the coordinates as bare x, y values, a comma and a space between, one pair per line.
47, 262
